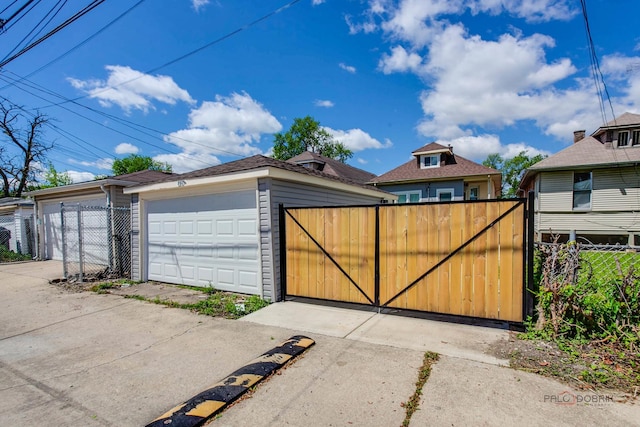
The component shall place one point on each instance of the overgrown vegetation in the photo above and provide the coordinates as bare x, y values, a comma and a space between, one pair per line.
589, 315
11, 256
411, 405
217, 303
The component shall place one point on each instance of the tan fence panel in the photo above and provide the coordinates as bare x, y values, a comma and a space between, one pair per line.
453, 258
484, 279
347, 235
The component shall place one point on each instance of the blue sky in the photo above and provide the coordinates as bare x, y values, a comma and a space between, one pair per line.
384, 77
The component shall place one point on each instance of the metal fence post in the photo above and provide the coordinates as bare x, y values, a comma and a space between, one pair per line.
65, 272
283, 252
80, 250
531, 287
376, 259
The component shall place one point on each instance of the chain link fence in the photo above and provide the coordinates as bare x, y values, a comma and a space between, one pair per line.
96, 242
582, 261
17, 234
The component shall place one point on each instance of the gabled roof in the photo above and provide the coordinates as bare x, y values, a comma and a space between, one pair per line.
432, 147
457, 167
259, 162
625, 120
125, 180
333, 167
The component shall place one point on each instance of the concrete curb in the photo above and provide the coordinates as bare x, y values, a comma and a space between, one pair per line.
204, 405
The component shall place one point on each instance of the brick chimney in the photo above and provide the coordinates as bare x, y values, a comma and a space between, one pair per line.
578, 135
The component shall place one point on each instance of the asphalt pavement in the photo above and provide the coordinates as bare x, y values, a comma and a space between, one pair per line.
83, 359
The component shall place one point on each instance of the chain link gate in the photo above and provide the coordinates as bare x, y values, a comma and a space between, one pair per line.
96, 242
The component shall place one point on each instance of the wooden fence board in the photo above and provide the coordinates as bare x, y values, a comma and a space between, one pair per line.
482, 278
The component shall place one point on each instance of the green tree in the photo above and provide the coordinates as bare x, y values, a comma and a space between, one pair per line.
306, 134
24, 147
53, 178
512, 169
135, 163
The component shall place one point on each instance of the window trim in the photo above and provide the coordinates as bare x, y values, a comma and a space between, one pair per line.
626, 142
574, 191
408, 194
424, 157
477, 188
439, 191
635, 137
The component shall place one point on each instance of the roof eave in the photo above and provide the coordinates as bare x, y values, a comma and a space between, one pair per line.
80, 186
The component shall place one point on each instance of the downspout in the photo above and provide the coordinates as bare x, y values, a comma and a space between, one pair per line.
488, 186
36, 221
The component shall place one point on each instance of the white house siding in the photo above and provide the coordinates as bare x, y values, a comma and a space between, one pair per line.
615, 203
556, 192
616, 190
292, 194
590, 222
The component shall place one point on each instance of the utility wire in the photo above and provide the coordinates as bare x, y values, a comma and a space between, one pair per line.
595, 68
3, 23
66, 23
35, 29
186, 55
82, 43
8, 6
132, 125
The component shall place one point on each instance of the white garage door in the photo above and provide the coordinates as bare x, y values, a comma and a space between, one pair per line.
52, 223
207, 240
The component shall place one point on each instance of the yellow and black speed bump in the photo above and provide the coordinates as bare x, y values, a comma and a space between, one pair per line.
201, 407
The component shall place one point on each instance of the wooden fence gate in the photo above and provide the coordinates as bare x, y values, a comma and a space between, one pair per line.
457, 258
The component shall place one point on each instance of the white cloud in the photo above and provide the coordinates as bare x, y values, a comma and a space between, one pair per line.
361, 161
199, 4
104, 163
132, 89
77, 176
347, 68
357, 139
317, 2
624, 72
230, 125
323, 103
400, 61
477, 148
186, 162
126, 148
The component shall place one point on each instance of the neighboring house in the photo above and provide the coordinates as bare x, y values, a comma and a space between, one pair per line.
99, 193
591, 189
436, 174
331, 166
219, 226
16, 225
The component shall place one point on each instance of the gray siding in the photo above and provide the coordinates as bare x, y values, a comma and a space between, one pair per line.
119, 199
136, 274
295, 195
428, 190
615, 201
266, 240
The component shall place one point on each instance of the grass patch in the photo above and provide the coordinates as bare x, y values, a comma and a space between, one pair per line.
412, 404
104, 287
11, 256
217, 304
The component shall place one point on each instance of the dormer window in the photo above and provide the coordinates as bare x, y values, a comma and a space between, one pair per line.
635, 137
623, 139
430, 161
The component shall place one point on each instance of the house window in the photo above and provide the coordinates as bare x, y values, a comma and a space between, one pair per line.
431, 161
409, 197
444, 195
473, 193
623, 139
582, 190
635, 137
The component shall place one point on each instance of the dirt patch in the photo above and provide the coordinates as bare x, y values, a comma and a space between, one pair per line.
593, 366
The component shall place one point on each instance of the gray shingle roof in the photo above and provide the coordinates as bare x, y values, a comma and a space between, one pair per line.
257, 162
457, 166
334, 167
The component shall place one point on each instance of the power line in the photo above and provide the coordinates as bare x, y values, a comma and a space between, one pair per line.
82, 43
38, 25
4, 22
127, 123
595, 68
188, 54
66, 23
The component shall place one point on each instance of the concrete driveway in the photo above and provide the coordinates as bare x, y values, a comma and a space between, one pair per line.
82, 359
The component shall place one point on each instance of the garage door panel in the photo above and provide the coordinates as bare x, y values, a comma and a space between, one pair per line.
212, 246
